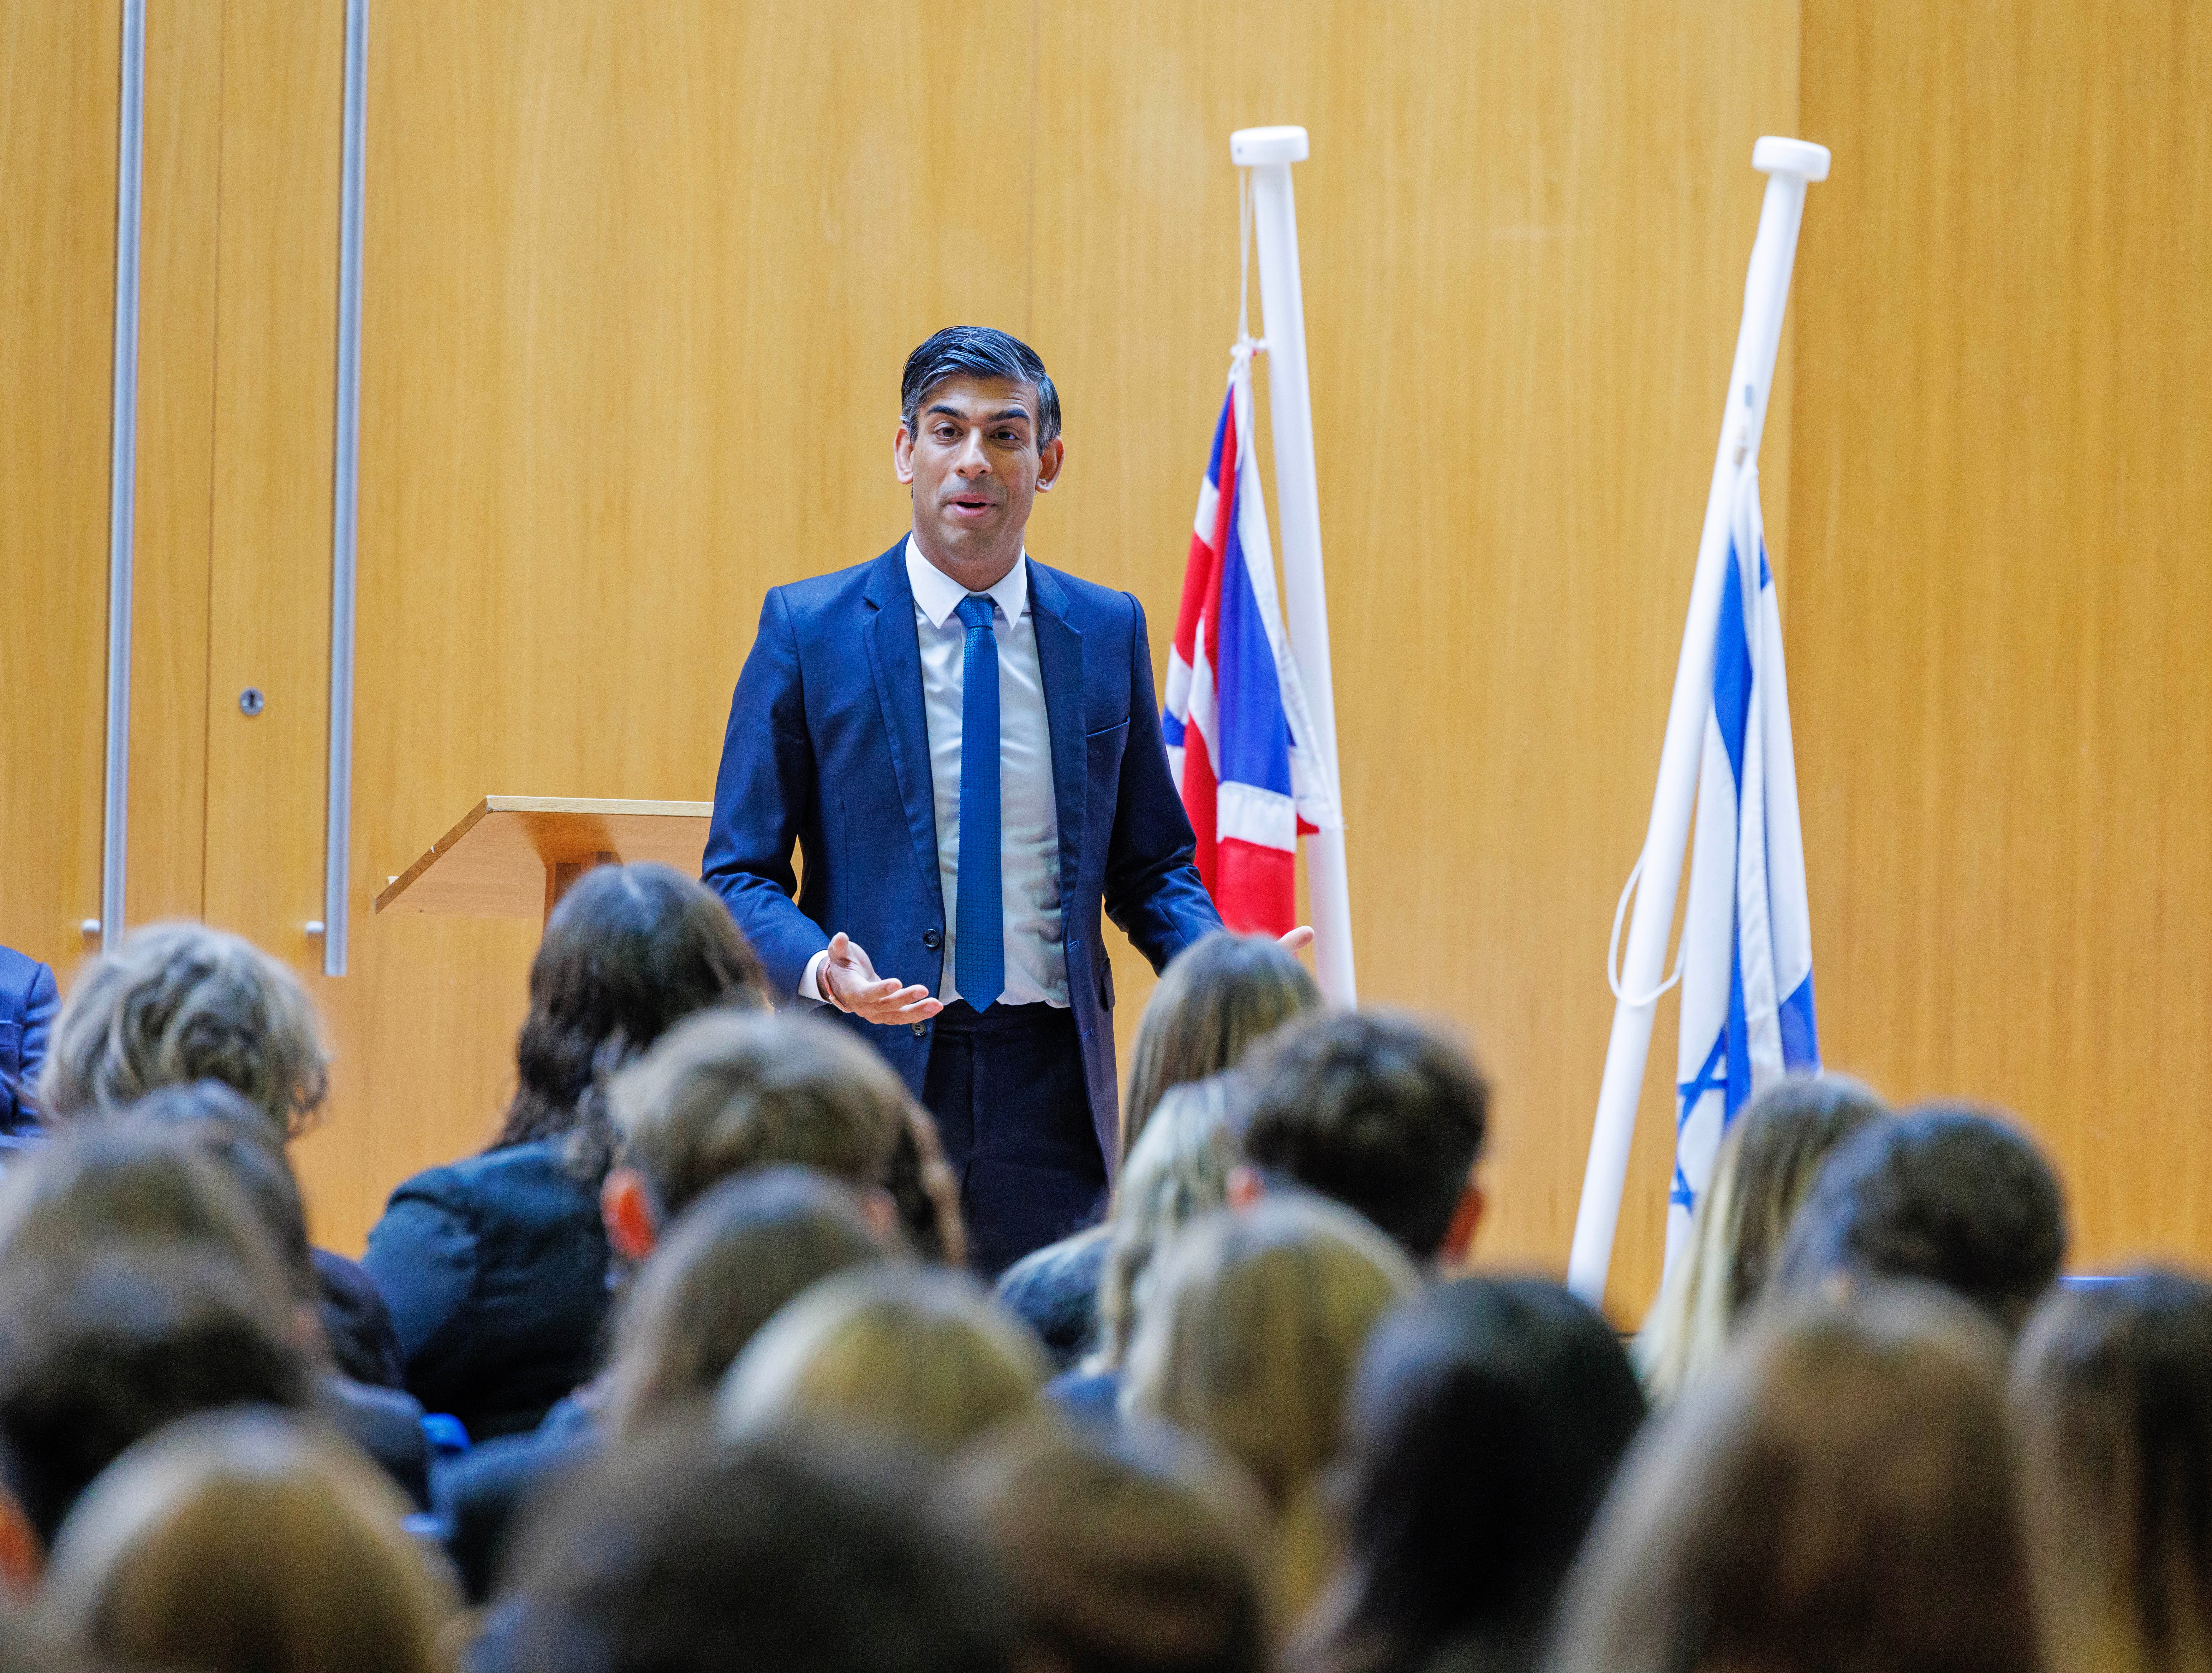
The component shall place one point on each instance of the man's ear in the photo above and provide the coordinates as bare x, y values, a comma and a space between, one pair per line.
902, 454
1246, 1187
1459, 1237
22, 1554
626, 1211
1050, 457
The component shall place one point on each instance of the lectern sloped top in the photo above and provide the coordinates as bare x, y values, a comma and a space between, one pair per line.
513, 855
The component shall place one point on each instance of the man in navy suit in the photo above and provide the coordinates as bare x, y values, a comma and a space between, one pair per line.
890, 716
28, 1000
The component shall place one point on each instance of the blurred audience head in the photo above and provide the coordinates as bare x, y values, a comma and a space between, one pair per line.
1120, 1563
244, 1540
1379, 1112
1840, 1493
1949, 1196
178, 1002
732, 1090
783, 1555
2112, 1394
737, 1255
1486, 1421
1766, 1166
98, 1351
629, 952
1249, 1337
124, 1184
926, 1194
223, 1126
1218, 995
919, 1354
1177, 1172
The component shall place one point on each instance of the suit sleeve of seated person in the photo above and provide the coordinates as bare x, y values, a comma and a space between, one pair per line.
964, 746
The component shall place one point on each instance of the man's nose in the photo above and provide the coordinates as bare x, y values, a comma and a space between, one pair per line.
972, 460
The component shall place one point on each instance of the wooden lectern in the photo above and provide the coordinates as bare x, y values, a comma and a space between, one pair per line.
516, 856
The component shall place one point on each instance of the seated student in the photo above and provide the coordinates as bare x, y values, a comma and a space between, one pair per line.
2112, 1398
1118, 1560
243, 1540
217, 1122
1946, 1195
99, 1349
782, 1556
1766, 1168
730, 1261
495, 1267
28, 1000
1217, 998
1178, 1172
1250, 1339
917, 1355
177, 1003
1375, 1112
1507, 1395
731, 1091
1840, 1493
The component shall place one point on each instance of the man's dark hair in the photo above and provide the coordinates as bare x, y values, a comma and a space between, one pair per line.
977, 351
1946, 1194
1375, 1110
97, 1353
778, 1556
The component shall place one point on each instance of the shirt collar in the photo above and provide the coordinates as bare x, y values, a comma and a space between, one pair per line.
939, 595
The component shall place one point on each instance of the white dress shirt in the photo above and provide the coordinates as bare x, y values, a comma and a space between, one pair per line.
1028, 823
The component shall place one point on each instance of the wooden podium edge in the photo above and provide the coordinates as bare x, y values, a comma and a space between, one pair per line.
603, 806
398, 886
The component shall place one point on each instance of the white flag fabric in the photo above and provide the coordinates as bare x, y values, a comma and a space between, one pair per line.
1747, 1009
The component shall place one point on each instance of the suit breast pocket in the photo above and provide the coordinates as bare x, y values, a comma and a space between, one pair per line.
1104, 748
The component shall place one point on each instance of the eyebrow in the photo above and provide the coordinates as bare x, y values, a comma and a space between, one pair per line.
1022, 412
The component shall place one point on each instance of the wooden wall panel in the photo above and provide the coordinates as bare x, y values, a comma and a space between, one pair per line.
639, 283
1999, 595
1524, 230
59, 82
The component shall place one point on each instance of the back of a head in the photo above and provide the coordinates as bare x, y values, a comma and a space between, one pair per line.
222, 1125
918, 1353
243, 1540
779, 1556
1375, 1111
1505, 1394
1119, 1565
1773, 1151
734, 1259
1839, 1493
118, 1185
630, 951
1944, 1195
1177, 1172
732, 1090
2111, 1391
1254, 1326
1215, 998
179, 1003
98, 1351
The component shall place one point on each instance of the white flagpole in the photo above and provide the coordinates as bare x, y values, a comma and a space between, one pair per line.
1789, 166
1269, 153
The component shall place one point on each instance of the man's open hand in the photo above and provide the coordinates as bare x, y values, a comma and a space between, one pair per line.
848, 981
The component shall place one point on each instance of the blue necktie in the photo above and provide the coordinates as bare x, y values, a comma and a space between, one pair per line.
979, 952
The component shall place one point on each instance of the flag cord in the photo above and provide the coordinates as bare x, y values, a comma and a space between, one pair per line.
1247, 344
1613, 947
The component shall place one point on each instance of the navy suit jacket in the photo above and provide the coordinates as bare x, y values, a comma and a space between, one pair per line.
28, 1000
829, 749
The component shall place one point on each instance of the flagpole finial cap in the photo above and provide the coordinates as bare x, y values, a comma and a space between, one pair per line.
1249, 148
1775, 155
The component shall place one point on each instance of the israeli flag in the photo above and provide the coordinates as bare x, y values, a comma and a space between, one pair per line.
1746, 1005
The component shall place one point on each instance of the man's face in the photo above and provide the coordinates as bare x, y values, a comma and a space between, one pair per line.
975, 468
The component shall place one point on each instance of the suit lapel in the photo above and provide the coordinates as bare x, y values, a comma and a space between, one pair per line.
896, 664
1059, 661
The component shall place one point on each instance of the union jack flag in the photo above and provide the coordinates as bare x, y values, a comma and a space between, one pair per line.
1238, 727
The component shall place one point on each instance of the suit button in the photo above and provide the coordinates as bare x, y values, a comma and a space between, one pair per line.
932, 939
920, 1028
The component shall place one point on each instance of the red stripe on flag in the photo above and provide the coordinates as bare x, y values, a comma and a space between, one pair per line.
1198, 799
1258, 891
